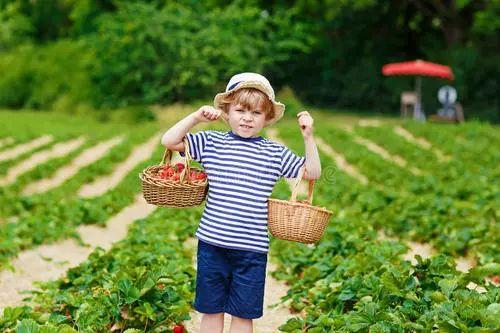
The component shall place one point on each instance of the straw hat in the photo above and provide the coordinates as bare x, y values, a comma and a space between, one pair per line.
251, 80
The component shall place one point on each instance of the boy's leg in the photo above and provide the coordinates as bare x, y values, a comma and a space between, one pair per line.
212, 323
246, 294
212, 287
241, 325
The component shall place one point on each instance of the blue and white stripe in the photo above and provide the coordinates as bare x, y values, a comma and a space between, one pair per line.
241, 175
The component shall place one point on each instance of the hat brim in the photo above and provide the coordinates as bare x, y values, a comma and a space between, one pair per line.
279, 108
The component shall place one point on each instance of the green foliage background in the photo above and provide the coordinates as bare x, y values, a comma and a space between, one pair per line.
81, 54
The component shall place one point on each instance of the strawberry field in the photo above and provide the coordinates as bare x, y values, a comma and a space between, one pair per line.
393, 186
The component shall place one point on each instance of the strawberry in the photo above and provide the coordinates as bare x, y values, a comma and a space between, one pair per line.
179, 328
179, 167
167, 172
198, 175
201, 176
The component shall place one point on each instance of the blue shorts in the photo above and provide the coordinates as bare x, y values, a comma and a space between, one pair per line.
230, 281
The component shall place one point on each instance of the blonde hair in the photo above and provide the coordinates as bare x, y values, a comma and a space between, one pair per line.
249, 98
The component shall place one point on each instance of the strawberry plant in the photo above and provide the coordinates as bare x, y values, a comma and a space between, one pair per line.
146, 281
351, 282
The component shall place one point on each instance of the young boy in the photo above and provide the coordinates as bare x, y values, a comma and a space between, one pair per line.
242, 169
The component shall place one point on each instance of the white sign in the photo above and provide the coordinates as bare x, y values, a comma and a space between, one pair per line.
447, 95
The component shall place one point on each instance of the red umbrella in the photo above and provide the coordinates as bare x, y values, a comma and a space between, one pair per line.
418, 68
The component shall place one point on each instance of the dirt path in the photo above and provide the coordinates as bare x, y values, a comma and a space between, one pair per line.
6, 141
58, 150
25, 147
272, 318
52, 261
422, 249
373, 147
422, 143
463, 264
425, 250
86, 158
341, 162
398, 160
369, 122
138, 155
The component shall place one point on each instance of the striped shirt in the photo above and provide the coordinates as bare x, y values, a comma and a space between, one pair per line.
241, 175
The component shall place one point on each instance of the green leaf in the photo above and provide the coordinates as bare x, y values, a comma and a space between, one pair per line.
291, 325
146, 310
66, 329
490, 317
12, 314
389, 281
57, 318
447, 286
462, 3
147, 286
130, 293
27, 326
477, 274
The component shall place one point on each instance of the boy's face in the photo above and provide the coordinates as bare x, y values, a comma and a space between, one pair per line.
244, 122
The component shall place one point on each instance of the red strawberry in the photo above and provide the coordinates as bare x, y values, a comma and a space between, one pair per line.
179, 328
201, 176
179, 167
167, 172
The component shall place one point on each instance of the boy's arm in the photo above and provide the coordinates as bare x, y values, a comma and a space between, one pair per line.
173, 138
312, 164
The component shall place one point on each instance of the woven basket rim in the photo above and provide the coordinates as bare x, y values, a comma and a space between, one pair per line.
300, 204
171, 183
148, 178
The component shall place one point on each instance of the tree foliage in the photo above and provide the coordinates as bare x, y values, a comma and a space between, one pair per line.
329, 51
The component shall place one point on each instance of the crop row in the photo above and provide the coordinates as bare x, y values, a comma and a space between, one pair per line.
353, 282
55, 214
453, 213
145, 282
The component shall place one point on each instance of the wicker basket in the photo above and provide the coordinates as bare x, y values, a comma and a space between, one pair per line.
169, 193
297, 221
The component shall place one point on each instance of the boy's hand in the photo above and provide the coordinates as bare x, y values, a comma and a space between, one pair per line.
306, 124
207, 113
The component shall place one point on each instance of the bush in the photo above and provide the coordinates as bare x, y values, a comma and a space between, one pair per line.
37, 77
16, 28
130, 114
150, 55
292, 104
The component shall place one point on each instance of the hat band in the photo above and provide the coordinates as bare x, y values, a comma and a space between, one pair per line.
233, 86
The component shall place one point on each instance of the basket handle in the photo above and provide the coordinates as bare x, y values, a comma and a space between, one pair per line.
295, 188
167, 157
186, 173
